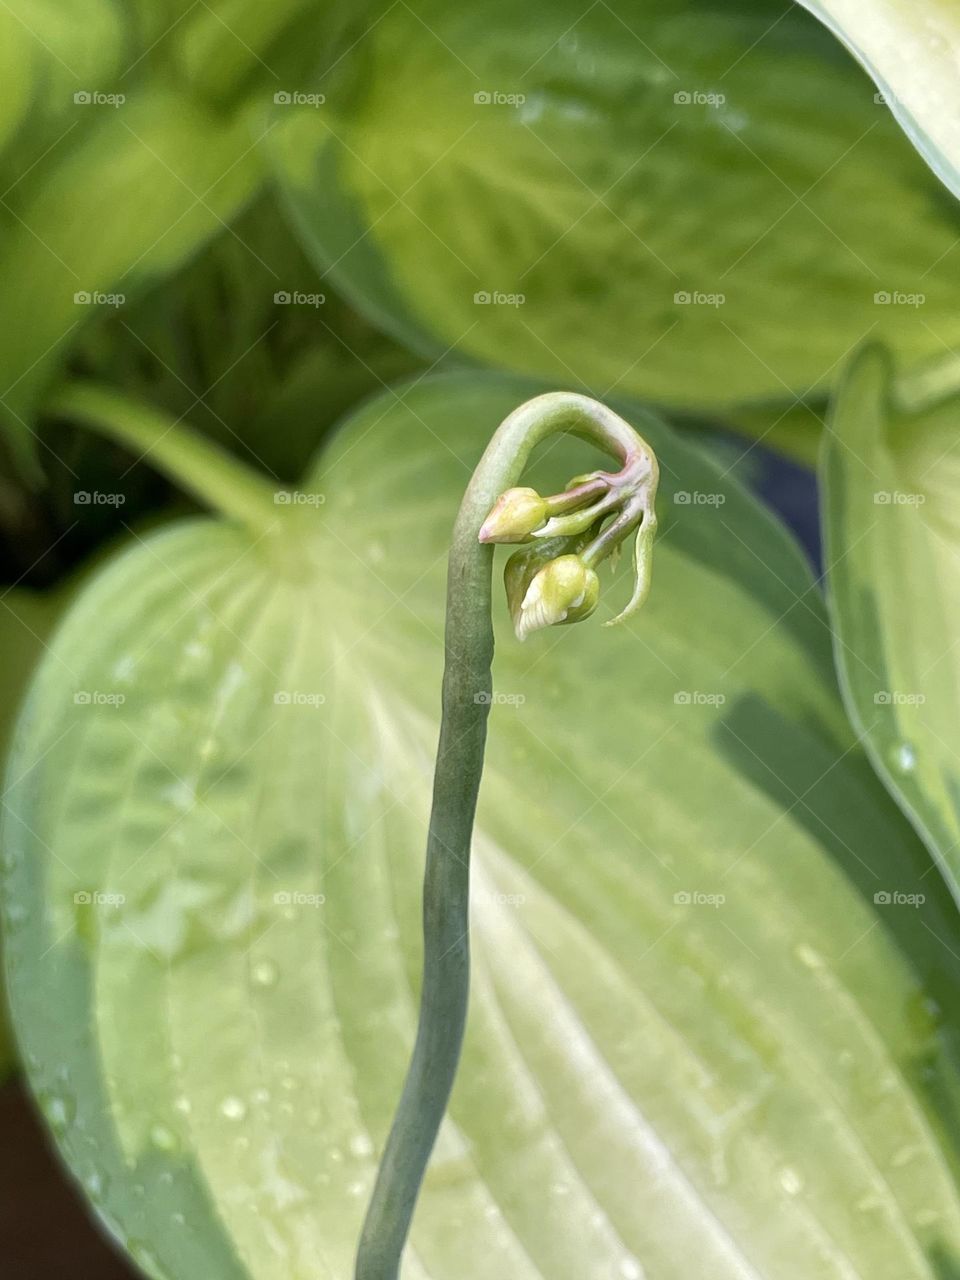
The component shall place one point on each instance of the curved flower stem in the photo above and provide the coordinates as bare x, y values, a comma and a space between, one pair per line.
208, 472
466, 699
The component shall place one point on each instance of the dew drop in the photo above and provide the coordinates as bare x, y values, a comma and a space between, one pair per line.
261, 1095
903, 757
183, 1105
361, 1146
179, 1220
791, 1181
59, 1112
233, 1108
164, 1139
265, 973
631, 1269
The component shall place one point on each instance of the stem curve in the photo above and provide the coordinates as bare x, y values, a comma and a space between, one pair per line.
466, 699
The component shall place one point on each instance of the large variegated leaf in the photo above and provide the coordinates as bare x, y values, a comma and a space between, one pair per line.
687, 202
910, 47
892, 472
699, 1043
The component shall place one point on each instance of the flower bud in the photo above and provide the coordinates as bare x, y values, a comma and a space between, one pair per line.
542, 594
515, 515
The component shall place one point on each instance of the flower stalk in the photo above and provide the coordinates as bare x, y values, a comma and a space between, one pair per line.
550, 580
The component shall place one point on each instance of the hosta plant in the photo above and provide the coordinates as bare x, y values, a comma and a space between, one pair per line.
714, 990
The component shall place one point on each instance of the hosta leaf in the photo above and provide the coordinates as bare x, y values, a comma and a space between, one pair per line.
215, 829
892, 474
144, 188
25, 622
689, 202
910, 49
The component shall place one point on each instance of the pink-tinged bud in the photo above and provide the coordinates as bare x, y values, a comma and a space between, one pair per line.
514, 517
545, 595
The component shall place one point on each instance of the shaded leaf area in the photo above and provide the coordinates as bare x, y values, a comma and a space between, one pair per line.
891, 465
697, 1036
245, 343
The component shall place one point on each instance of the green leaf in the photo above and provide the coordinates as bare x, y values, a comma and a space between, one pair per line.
731, 156
654, 1079
910, 49
275, 376
892, 474
96, 225
52, 49
26, 619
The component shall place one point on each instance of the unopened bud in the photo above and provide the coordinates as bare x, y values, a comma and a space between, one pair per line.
515, 515
547, 594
